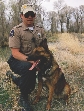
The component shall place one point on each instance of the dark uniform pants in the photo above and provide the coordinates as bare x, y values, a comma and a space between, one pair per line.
27, 79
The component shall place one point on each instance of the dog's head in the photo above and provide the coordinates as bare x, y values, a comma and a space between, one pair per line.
43, 43
43, 54
40, 53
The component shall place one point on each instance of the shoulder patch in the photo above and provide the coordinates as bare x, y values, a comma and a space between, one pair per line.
12, 33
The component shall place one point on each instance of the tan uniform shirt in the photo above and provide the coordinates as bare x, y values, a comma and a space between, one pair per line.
21, 37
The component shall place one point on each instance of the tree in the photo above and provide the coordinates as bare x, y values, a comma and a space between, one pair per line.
52, 16
59, 5
77, 19
81, 13
67, 10
2, 25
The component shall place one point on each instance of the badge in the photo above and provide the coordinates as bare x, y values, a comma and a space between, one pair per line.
39, 34
12, 33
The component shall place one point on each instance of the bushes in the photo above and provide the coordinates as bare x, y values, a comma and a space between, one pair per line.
3, 42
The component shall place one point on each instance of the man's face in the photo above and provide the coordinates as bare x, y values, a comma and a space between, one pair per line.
28, 18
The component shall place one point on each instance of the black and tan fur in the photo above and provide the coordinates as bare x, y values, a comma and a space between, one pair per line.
54, 77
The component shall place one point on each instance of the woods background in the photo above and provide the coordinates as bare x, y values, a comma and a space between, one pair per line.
63, 19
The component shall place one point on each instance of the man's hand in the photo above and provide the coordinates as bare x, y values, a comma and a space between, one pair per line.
34, 64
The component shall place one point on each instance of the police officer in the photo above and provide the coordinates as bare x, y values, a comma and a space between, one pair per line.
23, 39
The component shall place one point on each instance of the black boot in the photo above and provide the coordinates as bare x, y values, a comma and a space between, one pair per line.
15, 79
24, 102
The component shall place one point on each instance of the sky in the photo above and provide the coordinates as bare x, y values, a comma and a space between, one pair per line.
73, 3
49, 3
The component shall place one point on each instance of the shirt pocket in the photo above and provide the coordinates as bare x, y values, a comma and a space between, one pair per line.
26, 46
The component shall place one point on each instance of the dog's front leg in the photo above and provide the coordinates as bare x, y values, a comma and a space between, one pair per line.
51, 91
40, 82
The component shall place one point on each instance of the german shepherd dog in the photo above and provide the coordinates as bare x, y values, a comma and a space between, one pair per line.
50, 74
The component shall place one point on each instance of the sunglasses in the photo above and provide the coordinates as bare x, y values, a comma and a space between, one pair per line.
29, 13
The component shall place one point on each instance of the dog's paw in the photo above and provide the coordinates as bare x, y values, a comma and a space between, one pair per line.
48, 107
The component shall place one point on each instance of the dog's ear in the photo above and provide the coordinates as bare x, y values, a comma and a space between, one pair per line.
44, 44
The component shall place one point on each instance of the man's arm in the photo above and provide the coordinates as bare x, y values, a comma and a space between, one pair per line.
18, 55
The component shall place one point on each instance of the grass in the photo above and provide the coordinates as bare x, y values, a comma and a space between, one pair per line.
4, 96
68, 50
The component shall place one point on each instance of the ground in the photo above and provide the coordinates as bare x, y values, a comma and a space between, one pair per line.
68, 50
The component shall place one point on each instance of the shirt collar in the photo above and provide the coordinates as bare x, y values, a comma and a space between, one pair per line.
27, 28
